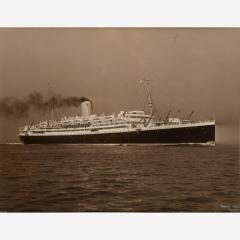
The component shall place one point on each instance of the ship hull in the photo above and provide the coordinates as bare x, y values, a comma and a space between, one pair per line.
183, 135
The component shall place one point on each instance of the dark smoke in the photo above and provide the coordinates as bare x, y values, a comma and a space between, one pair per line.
14, 107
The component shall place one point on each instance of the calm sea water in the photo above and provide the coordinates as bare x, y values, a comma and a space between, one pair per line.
138, 178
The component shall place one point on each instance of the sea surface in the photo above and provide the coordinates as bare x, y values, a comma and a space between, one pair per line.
119, 178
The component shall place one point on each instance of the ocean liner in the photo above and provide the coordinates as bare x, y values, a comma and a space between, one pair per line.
126, 127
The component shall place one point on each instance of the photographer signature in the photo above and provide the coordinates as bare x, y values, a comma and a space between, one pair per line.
230, 207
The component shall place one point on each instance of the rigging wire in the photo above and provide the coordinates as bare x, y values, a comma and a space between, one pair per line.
181, 101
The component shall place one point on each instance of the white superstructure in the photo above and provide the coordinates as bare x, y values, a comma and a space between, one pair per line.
91, 124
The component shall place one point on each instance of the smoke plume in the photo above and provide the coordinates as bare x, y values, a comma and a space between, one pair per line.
13, 107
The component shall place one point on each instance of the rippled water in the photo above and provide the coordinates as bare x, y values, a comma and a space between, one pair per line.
138, 178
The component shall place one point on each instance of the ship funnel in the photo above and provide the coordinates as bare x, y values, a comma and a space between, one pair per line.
86, 108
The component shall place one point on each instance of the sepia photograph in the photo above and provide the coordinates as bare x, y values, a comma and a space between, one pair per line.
119, 120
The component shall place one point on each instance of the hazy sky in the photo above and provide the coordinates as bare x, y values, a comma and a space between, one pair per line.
191, 69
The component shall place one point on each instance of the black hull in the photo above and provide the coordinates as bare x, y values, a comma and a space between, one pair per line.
199, 134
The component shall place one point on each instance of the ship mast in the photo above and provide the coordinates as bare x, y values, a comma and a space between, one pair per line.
52, 110
149, 95
51, 102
